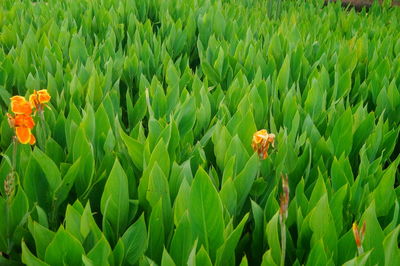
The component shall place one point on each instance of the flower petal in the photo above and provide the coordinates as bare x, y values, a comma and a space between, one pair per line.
44, 96
23, 134
32, 140
24, 121
20, 106
33, 100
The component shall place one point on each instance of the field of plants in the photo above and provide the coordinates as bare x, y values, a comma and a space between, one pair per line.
199, 132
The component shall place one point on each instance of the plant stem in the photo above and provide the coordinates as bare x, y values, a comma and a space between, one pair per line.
360, 250
283, 239
42, 123
14, 156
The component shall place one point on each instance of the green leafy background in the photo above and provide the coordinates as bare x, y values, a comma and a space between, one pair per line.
154, 103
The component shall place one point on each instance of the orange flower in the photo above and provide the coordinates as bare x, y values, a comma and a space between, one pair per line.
25, 135
261, 141
359, 234
39, 98
22, 125
24, 121
20, 106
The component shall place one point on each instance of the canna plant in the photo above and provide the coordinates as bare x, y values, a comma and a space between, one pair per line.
148, 154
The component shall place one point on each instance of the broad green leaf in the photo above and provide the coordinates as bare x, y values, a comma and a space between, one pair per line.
62, 191
317, 255
322, 225
360, 260
284, 75
115, 199
77, 50
135, 149
205, 213
166, 259
228, 196
390, 245
202, 258
100, 252
384, 193
226, 253
342, 136
244, 180
182, 241
373, 235
42, 237
135, 241
64, 249
49, 168
156, 233
29, 259
273, 237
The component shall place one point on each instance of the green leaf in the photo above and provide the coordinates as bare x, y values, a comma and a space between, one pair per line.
166, 259
244, 180
160, 156
135, 241
341, 173
77, 50
83, 149
136, 113
181, 203
88, 227
115, 199
322, 224
246, 129
226, 253
202, 258
384, 193
373, 235
359, 261
205, 212
156, 233
267, 259
64, 249
118, 253
135, 149
62, 191
273, 238
100, 252
18, 211
210, 72
49, 168
236, 149
283, 77
29, 259
42, 237
73, 222
258, 231
342, 136
317, 255
390, 246
182, 241
228, 196
343, 86
186, 116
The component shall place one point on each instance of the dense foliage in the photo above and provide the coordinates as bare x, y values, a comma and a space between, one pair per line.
145, 155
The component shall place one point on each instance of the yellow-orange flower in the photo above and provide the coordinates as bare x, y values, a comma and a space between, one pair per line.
25, 135
22, 125
261, 141
39, 98
22, 121
358, 234
20, 106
